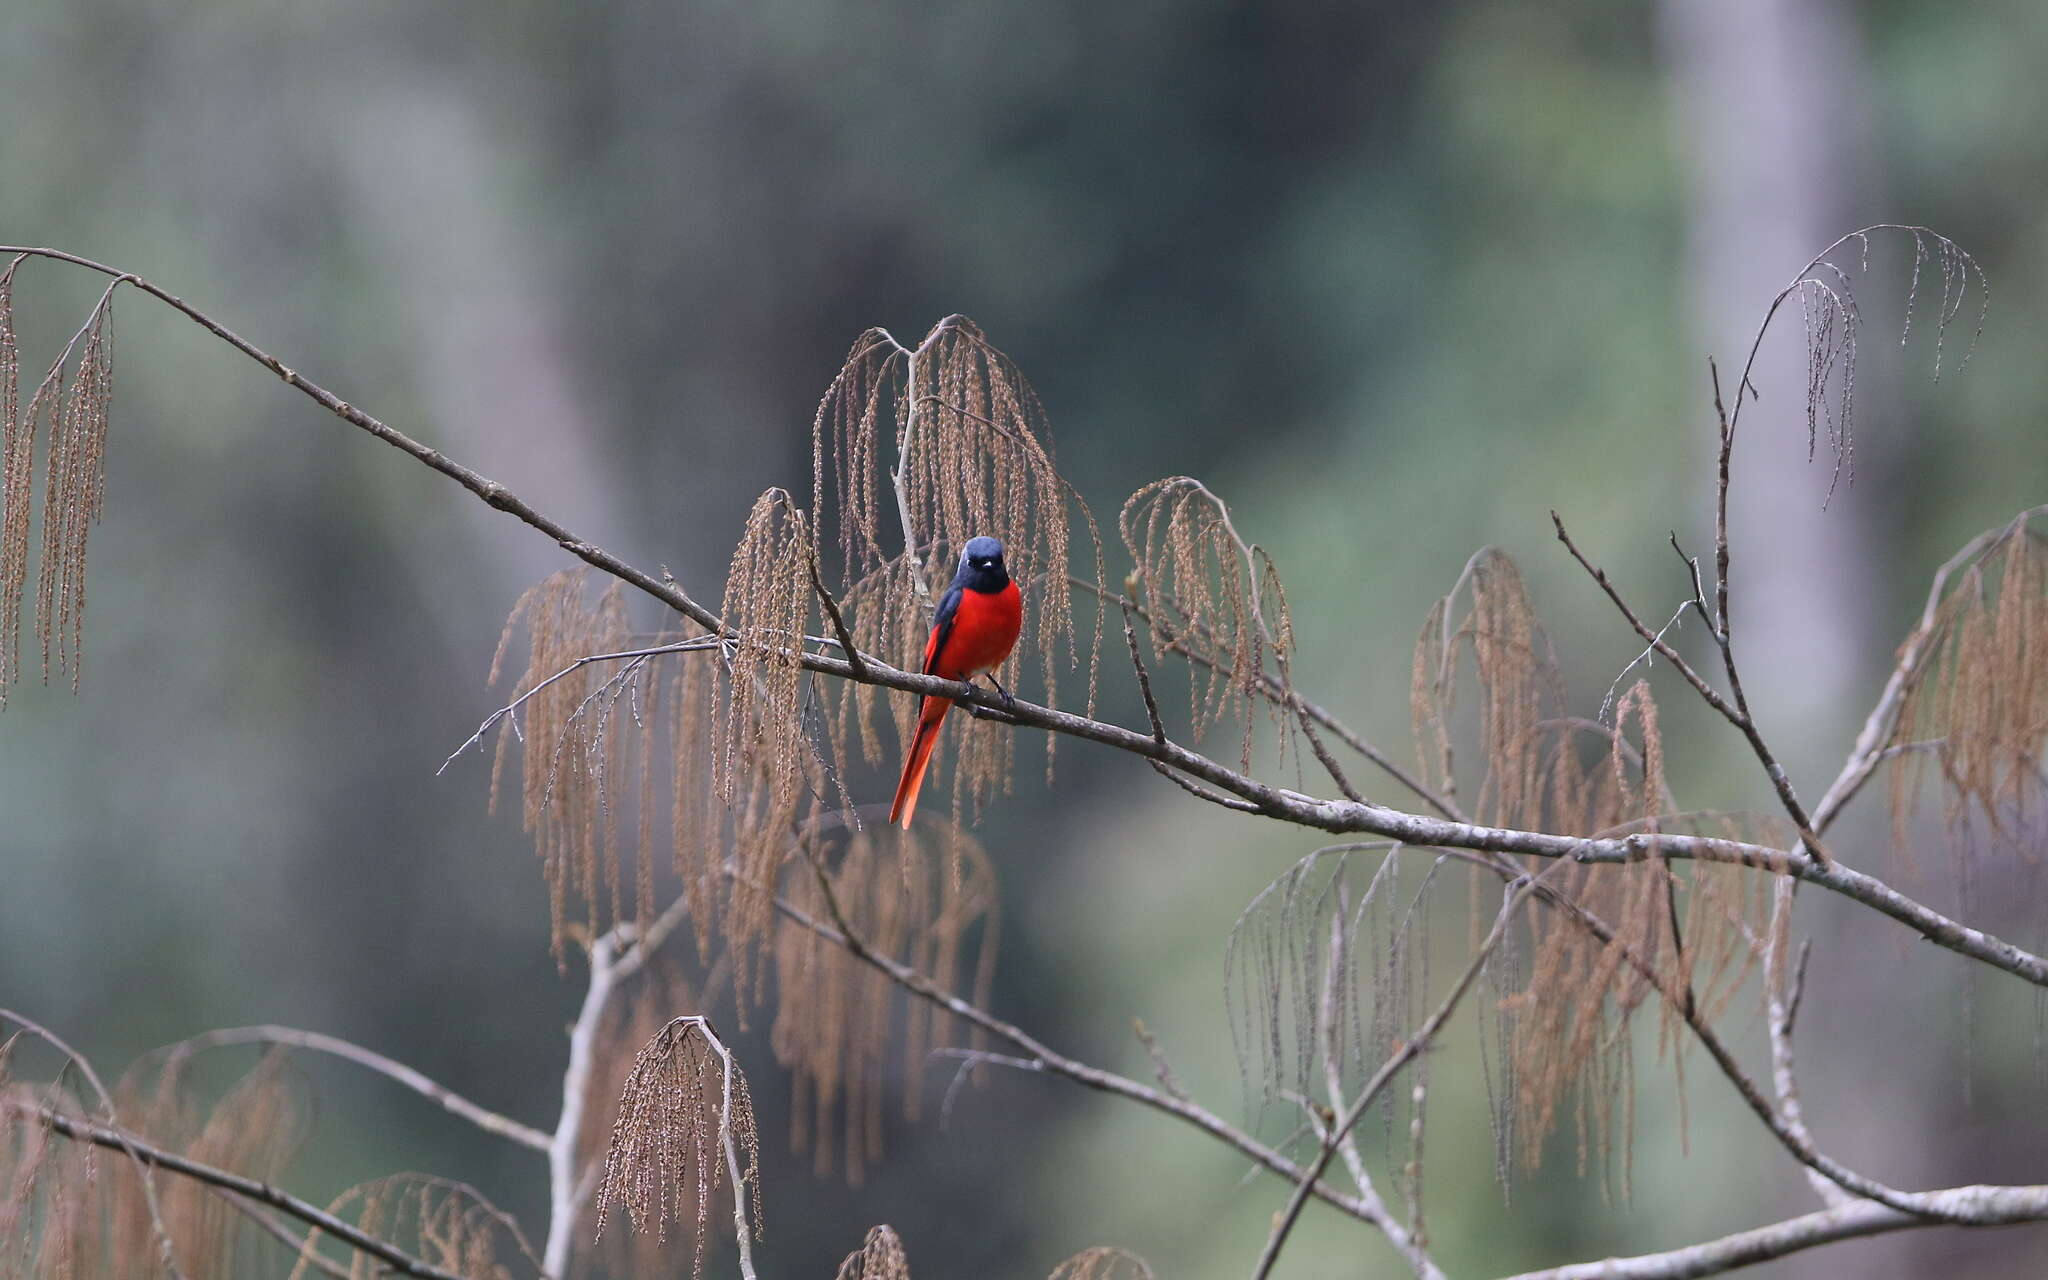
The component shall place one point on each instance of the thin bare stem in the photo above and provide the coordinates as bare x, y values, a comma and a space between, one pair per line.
831, 606
1271, 689
1736, 712
300, 1246
482, 1117
511, 708
1144, 679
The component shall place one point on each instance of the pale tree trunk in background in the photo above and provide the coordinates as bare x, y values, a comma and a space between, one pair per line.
494, 352
1767, 120
1768, 98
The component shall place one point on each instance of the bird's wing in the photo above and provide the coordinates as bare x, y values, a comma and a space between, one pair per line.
942, 628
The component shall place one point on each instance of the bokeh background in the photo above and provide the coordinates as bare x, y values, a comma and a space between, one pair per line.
1396, 278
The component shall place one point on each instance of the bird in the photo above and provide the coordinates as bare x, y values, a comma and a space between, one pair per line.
973, 630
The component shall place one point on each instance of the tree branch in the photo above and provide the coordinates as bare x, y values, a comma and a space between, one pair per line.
1983, 1206
1052, 1062
120, 1135
482, 1117
1340, 817
1400, 1058
261, 1192
563, 1201
1735, 712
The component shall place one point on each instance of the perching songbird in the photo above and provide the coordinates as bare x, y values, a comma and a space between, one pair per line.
973, 630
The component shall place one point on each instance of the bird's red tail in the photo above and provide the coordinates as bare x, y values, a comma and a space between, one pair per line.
920, 755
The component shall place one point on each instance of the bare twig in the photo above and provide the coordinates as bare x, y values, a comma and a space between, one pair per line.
1200, 792
511, 708
1162, 1070
1880, 727
1271, 689
1736, 712
482, 1117
1144, 679
831, 607
301, 1246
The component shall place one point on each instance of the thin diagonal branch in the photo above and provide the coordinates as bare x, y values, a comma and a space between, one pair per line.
482, 1117
121, 1137
1272, 690
301, 1246
1736, 712
394, 1258
1053, 1062
1401, 1057
1880, 727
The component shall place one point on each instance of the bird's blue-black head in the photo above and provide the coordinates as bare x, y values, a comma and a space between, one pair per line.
981, 566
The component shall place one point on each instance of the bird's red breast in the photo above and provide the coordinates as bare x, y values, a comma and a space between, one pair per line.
981, 634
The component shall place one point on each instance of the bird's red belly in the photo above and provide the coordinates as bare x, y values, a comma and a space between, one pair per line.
984, 631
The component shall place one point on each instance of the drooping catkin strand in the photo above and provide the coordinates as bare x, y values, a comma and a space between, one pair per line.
1832, 319
1688, 933
51, 1189
1520, 688
924, 449
569, 789
880, 1257
1103, 1262
74, 493
1213, 598
1686, 936
762, 750
1975, 708
840, 1027
444, 1223
72, 401
66, 1210
635, 1019
682, 1103
728, 710
1326, 974
17, 479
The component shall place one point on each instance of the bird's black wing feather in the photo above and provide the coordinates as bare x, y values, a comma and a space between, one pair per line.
942, 625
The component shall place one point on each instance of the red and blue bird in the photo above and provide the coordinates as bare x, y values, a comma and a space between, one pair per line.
973, 631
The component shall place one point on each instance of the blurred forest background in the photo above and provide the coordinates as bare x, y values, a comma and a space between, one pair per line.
1397, 279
